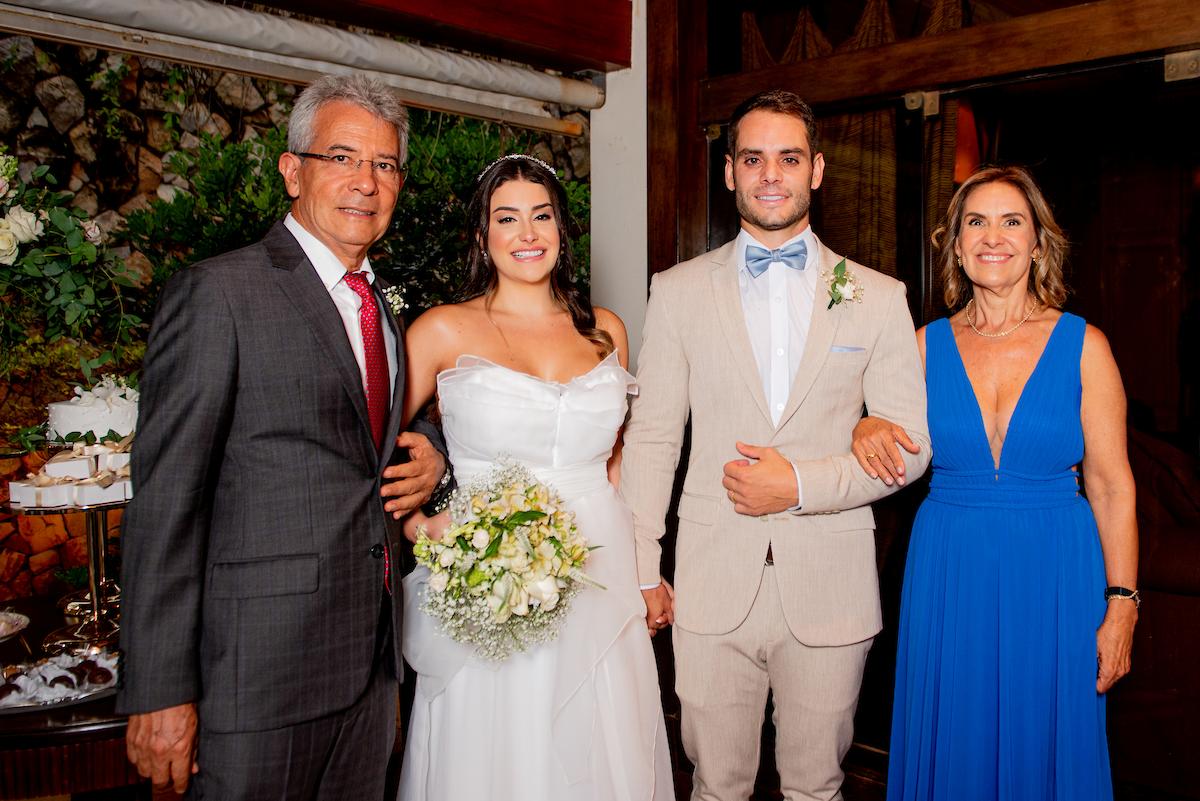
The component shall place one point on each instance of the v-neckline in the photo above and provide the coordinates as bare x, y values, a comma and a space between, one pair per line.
998, 464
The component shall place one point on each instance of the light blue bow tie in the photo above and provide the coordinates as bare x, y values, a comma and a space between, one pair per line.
759, 259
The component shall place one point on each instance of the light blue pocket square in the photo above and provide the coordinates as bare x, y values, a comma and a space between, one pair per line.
845, 349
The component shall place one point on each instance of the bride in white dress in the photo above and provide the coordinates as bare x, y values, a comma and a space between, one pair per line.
526, 368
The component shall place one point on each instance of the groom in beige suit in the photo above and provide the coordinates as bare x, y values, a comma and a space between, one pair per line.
775, 582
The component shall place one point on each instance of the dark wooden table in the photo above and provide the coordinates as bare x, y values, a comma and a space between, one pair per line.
68, 749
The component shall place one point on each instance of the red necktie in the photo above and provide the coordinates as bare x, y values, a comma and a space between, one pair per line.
378, 394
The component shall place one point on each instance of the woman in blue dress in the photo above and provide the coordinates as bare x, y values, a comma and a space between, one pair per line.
1019, 597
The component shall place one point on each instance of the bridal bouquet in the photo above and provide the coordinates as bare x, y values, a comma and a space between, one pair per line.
504, 572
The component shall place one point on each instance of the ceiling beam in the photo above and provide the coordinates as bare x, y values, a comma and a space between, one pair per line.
1091, 32
570, 36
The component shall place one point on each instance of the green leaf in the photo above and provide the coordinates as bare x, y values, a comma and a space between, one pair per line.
522, 518
63, 221
476, 577
74, 310
493, 547
462, 543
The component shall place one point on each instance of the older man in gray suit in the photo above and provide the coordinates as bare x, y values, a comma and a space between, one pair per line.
772, 344
260, 638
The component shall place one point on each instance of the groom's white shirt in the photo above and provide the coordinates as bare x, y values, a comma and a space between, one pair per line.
778, 308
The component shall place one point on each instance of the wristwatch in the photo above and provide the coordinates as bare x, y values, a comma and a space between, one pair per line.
1123, 592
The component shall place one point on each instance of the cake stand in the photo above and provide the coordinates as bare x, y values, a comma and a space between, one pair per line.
98, 630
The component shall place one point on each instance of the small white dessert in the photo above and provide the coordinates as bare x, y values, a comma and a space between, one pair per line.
111, 405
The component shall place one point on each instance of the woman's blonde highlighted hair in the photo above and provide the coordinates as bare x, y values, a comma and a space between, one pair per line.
1046, 282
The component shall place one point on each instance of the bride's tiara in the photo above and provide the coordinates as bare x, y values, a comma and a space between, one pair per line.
533, 159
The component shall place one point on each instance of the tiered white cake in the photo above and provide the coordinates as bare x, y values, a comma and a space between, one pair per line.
111, 405
85, 474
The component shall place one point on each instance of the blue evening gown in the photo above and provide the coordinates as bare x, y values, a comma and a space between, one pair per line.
1003, 593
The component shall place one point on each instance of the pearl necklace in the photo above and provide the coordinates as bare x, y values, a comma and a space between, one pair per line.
998, 334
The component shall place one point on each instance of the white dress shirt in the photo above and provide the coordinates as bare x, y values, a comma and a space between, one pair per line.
331, 271
778, 307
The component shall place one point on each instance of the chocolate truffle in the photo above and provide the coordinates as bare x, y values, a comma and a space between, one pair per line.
100, 675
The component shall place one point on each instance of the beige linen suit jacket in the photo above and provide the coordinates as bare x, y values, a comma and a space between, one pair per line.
696, 360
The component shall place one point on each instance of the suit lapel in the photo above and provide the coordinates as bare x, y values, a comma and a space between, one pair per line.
821, 331
392, 428
728, 299
303, 287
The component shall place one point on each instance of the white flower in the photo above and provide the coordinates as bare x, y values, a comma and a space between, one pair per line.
25, 225
480, 539
92, 231
394, 296
8, 244
545, 592
447, 558
843, 285
438, 582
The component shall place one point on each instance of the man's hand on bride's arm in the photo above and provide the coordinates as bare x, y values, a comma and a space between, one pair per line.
434, 526
411, 483
877, 444
660, 607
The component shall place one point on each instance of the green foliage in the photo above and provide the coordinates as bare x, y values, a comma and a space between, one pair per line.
237, 194
56, 278
107, 83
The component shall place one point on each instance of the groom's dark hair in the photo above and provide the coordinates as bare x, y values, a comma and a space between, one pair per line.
779, 101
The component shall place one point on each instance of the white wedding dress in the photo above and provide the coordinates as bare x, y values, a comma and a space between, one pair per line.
579, 718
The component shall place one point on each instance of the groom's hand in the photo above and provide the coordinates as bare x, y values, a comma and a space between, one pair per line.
162, 745
415, 479
660, 607
762, 487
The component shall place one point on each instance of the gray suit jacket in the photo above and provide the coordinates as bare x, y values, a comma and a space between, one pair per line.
696, 361
252, 581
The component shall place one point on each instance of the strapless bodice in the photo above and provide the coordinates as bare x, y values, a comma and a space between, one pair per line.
563, 431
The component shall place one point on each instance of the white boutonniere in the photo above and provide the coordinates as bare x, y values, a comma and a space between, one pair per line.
843, 285
394, 296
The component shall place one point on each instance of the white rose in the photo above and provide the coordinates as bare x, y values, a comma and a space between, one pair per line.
92, 231
480, 539
447, 558
438, 582
545, 592
25, 225
8, 246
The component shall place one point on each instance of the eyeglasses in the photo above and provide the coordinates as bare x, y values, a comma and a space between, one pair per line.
385, 169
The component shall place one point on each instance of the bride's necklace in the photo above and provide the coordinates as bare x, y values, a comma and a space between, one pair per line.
998, 334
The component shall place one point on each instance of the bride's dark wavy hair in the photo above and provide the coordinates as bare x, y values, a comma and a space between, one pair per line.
482, 278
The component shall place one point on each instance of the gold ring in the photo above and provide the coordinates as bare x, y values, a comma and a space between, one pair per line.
872, 456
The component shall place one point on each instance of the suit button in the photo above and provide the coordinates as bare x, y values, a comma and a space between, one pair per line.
377, 551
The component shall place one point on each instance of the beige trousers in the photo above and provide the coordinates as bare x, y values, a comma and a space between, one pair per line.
722, 682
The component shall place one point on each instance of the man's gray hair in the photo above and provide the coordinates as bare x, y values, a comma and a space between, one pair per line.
362, 90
